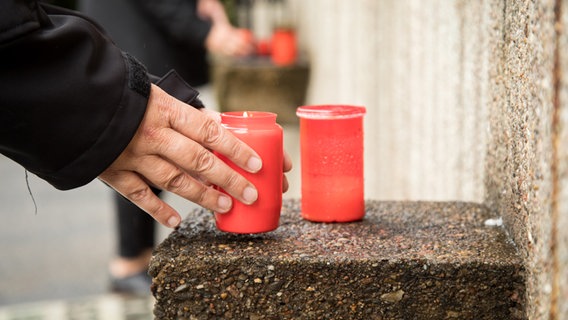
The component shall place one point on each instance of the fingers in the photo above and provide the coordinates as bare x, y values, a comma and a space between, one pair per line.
202, 163
173, 150
208, 132
285, 184
135, 189
226, 40
179, 182
287, 165
165, 176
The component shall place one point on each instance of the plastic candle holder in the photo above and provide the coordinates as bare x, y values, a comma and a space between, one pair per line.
260, 131
331, 147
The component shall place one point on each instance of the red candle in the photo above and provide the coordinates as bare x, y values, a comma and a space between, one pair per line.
263, 47
284, 48
331, 147
260, 131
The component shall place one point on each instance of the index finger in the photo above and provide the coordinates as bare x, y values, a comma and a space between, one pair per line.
206, 131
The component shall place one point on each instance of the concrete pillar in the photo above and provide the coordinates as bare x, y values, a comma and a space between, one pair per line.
467, 101
520, 166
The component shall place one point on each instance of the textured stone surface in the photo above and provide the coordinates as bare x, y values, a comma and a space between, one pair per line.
467, 100
561, 144
560, 265
519, 178
405, 260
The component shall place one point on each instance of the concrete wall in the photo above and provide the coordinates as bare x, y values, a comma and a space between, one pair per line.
409, 63
520, 182
560, 206
467, 100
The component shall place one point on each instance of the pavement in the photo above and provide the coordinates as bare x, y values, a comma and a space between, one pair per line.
55, 257
55, 252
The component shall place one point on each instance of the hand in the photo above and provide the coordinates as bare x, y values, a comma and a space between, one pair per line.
172, 150
287, 163
287, 166
212, 10
224, 39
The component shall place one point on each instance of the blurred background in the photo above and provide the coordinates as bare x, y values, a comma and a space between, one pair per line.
400, 59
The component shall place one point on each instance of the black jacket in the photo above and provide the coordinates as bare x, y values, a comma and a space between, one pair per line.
70, 100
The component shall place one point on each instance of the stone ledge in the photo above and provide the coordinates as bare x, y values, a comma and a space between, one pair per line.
405, 260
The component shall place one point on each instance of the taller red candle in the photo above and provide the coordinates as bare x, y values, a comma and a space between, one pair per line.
331, 142
260, 131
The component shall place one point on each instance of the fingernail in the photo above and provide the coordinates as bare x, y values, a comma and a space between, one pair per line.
224, 203
254, 164
173, 222
250, 195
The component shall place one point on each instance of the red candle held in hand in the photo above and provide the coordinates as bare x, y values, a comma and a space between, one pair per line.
260, 131
331, 147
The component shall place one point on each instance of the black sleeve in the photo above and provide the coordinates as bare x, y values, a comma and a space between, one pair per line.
177, 20
70, 100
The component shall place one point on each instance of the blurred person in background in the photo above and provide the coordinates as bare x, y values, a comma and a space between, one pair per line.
163, 35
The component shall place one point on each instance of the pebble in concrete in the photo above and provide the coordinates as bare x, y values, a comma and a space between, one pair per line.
405, 260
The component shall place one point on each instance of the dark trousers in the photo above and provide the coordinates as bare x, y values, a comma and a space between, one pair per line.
136, 228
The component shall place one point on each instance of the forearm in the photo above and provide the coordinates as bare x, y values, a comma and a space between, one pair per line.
70, 101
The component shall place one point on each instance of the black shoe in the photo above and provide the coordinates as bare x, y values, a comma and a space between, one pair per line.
137, 284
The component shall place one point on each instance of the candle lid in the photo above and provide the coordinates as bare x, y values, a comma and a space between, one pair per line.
247, 118
337, 111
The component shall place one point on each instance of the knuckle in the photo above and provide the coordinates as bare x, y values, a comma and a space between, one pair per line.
139, 194
231, 181
166, 109
211, 132
151, 134
176, 181
236, 149
202, 196
204, 161
156, 210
